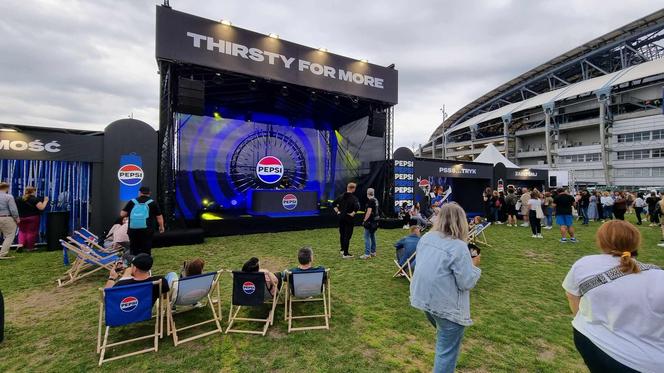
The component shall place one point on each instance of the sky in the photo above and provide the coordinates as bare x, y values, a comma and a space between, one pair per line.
84, 64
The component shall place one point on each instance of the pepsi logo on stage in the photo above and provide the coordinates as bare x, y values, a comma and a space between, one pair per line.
128, 304
289, 201
269, 169
130, 174
248, 287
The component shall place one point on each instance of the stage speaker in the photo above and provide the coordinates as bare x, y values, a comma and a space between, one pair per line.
190, 96
57, 228
553, 181
377, 123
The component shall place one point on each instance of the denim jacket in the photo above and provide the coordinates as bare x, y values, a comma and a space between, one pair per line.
445, 274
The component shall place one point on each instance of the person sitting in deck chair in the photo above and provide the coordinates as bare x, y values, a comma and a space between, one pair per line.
117, 236
406, 246
305, 258
138, 272
271, 281
189, 268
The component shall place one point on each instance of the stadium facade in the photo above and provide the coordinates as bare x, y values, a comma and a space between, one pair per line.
595, 111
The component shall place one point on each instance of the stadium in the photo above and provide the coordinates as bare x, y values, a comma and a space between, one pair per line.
595, 111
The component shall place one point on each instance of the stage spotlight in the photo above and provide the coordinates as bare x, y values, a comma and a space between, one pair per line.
337, 100
273, 35
322, 49
356, 102
247, 117
216, 116
226, 22
253, 85
364, 60
284, 91
205, 202
314, 96
218, 80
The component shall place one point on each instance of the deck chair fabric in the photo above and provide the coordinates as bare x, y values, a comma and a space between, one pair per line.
250, 290
125, 305
86, 263
186, 293
307, 286
476, 234
407, 268
91, 242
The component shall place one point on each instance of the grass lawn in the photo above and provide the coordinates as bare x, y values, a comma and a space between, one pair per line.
522, 321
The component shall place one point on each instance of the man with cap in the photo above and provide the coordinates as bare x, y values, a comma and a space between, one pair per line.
138, 271
406, 246
144, 212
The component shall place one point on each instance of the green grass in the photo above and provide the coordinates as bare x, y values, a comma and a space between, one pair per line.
522, 321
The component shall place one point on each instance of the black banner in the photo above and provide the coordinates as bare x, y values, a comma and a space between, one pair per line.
189, 39
51, 146
451, 169
282, 202
527, 174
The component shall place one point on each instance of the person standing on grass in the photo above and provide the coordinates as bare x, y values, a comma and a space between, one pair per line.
563, 203
593, 213
496, 205
607, 206
441, 285
639, 204
525, 197
547, 206
143, 212
345, 206
660, 208
510, 204
29, 211
370, 224
618, 324
620, 206
535, 213
8, 220
584, 205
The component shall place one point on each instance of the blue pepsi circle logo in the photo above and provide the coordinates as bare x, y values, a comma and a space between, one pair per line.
269, 169
128, 304
289, 201
130, 174
248, 287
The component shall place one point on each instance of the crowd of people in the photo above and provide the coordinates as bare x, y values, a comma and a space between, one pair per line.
23, 213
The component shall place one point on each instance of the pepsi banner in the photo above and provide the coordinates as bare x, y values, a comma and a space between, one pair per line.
194, 40
50, 146
130, 176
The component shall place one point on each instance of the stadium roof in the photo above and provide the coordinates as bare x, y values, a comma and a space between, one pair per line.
629, 45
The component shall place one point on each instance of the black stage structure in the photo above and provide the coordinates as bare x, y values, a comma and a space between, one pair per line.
219, 83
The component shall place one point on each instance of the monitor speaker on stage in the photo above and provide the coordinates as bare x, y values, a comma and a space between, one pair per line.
191, 96
377, 123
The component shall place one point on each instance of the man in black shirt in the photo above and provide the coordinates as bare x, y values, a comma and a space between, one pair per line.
563, 203
584, 204
138, 272
346, 205
652, 209
142, 229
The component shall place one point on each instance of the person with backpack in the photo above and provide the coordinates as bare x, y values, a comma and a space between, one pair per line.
142, 212
370, 223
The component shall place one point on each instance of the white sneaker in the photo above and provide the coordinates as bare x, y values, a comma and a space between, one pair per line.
659, 244
539, 236
534, 236
499, 222
347, 256
365, 256
524, 225
405, 227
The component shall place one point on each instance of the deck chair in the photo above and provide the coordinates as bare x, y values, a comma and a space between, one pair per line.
90, 240
124, 305
406, 269
476, 235
250, 290
186, 294
307, 286
86, 263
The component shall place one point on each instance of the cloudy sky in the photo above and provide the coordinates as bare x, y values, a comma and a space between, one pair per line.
83, 64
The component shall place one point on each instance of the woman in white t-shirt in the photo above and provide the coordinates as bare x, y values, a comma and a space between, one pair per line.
535, 213
618, 325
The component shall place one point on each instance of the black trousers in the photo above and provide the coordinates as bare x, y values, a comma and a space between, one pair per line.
140, 241
597, 360
535, 223
619, 214
345, 234
639, 211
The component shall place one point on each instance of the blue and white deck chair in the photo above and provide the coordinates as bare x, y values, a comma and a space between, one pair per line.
308, 286
86, 263
124, 305
190, 293
476, 234
83, 238
250, 290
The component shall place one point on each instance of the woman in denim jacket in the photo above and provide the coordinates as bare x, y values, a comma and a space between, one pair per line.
441, 285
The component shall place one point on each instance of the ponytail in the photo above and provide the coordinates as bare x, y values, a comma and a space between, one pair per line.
627, 263
621, 239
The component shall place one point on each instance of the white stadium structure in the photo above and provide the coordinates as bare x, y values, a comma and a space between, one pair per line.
595, 111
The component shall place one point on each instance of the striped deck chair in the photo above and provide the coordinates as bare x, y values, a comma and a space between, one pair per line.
405, 269
476, 234
86, 263
308, 286
187, 294
84, 237
125, 305
250, 291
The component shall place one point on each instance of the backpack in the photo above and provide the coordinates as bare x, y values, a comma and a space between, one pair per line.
138, 218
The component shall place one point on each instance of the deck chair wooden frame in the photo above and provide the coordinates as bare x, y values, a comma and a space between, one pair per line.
86, 263
405, 270
235, 310
477, 236
103, 343
172, 329
290, 298
91, 241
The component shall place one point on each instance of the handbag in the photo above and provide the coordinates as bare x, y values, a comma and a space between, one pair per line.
539, 214
518, 205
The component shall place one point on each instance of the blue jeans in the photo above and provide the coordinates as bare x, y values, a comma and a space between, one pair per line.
584, 214
448, 343
369, 242
608, 212
549, 220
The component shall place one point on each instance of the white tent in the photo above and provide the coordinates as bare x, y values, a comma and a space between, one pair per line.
491, 155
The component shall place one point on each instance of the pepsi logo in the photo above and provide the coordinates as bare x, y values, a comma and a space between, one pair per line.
130, 174
128, 304
424, 183
269, 169
289, 201
248, 287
